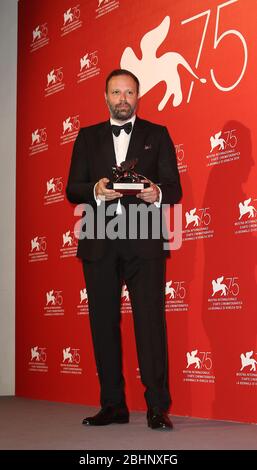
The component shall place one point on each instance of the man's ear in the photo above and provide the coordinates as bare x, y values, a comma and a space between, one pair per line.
105, 96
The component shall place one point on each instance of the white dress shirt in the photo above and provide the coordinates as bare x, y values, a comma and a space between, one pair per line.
121, 142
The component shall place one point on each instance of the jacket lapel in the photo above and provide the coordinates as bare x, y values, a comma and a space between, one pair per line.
106, 149
137, 140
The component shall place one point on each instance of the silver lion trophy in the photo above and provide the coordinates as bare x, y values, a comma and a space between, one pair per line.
125, 179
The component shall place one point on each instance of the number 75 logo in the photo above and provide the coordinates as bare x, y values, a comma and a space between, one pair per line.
217, 42
151, 69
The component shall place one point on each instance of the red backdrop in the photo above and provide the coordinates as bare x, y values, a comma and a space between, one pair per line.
65, 52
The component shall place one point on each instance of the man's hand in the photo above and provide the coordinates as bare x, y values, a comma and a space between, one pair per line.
103, 193
150, 194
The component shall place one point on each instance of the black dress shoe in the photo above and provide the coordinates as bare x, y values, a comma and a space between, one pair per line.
108, 415
158, 419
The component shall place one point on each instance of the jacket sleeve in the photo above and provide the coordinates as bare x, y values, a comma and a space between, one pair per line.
168, 171
79, 187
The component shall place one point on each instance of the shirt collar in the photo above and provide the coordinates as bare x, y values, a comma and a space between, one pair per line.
132, 120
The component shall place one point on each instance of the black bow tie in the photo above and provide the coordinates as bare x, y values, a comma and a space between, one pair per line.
127, 128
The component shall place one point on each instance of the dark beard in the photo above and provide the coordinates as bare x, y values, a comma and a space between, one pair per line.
121, 115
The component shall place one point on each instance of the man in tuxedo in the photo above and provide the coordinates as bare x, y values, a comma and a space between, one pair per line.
140, 263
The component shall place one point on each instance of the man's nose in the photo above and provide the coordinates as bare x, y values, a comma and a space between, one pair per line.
123, 97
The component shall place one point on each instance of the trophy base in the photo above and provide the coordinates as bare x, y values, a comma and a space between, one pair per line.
128, 189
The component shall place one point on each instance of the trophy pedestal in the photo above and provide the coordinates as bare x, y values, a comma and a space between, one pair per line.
128, 189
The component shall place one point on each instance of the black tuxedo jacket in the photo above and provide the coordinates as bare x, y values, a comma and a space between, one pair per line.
93, 158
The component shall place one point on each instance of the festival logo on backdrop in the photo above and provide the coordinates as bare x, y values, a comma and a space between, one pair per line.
69, 244
225, 294
247, 209
70, 128
39, 37
54, 81
88, 66
53, 303
54, 191
105, 6
247, 375
71, 20
70, 361
247, 216
38, 359
247, 360
198, 224
223, 148
152, 70
38, 249
82, 306
199, 367
181, 161
176, 296
38, 141
125, 300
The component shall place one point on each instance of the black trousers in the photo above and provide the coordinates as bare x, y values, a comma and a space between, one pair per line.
145, 279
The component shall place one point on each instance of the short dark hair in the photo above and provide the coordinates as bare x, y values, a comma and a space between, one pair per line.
116, 73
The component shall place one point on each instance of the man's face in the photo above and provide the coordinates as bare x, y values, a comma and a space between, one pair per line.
122, 97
